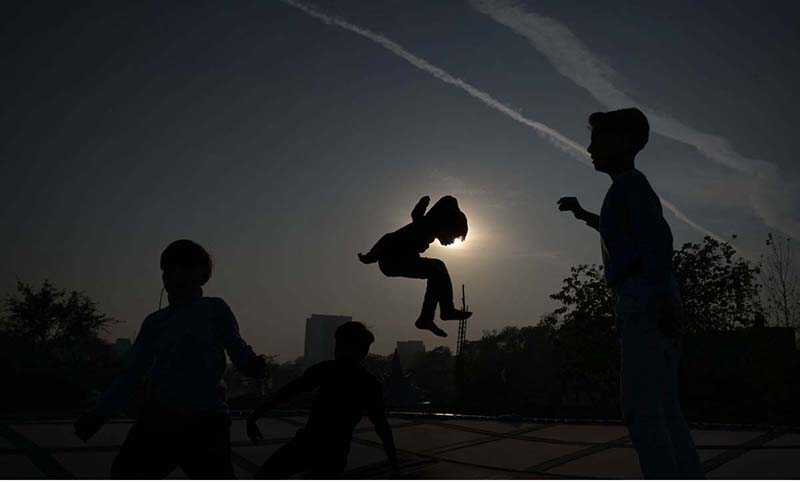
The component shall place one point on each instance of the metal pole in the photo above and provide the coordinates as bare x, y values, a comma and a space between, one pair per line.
459, 375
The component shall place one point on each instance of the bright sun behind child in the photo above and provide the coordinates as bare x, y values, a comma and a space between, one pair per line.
457, 243
398, 254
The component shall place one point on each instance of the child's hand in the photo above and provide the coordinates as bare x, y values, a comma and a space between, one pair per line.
257, 367
253, 432
366, 258
419, 210
570, 204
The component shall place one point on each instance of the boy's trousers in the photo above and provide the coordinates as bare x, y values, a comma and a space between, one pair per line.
649, 383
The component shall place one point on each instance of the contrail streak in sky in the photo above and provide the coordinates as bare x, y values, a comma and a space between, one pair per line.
771, 195
559, 140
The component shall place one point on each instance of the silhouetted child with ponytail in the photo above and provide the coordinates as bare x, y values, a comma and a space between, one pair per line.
398, 254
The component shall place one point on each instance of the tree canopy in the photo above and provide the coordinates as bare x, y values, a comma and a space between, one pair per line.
50, 316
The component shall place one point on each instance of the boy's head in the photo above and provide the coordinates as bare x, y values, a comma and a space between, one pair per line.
352, 341
185, 267
448, 220
617, 136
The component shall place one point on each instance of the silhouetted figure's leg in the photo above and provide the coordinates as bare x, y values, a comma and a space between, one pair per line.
327, 469
643, 384
148, 451
329, 461
292, 458
439, 289
686, 458
205, 450
645, 376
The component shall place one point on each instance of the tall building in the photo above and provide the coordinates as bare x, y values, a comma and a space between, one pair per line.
410, 353
319, 337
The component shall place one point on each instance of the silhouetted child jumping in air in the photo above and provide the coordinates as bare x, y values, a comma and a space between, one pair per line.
398, 254
346, 392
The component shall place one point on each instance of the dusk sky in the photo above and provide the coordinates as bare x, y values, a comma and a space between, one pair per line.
287, 136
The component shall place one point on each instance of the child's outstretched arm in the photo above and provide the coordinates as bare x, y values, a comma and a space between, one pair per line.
419, 210
375, 253
308, 381
241, 354
417, 215
368, 258
572, 205
377, 415
139, 361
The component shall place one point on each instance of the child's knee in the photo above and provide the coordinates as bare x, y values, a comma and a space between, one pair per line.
437, 265
386, 268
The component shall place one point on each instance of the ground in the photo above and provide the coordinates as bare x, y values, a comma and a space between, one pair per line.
430, 448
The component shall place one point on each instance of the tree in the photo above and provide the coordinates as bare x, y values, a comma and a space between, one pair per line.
50, 317
781, 282
434, 376
510, 371
583, 297
584, 332
720, 290
378, 365
286, 372
245, 388
720, 293
50, 343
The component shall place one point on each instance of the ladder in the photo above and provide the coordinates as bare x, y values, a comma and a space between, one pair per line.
462, 325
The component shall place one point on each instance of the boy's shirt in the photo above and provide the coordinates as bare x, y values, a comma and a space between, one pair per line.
182, 350
636, 239
410, 240
346, 393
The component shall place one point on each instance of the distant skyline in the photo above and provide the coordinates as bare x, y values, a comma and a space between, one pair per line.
285, 145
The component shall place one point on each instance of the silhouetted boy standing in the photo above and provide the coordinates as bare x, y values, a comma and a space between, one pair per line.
637, 259
181, 349
346, 392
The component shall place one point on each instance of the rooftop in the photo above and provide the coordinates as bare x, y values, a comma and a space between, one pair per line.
434, 447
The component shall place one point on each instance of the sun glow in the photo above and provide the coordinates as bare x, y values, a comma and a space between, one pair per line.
457, 243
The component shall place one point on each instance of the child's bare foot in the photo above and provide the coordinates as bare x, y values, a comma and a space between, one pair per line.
448, 315
428, 324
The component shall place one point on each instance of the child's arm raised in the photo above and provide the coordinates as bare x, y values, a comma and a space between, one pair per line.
572, 205
419, 210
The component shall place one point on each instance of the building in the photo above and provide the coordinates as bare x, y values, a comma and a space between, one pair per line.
410, 353
398, 389
320, 343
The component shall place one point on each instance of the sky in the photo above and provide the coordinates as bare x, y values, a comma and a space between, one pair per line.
287, 136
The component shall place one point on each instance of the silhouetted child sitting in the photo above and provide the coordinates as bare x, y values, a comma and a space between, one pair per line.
398, 254
346, 392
